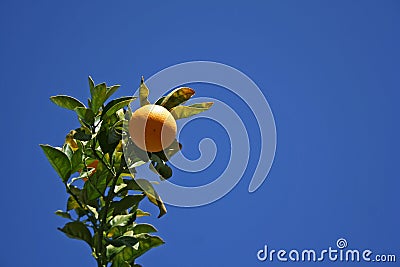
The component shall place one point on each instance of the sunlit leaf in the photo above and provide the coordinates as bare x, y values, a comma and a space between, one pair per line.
143, 93
72, 203
141, 213
122, 220
181, 112
67, 151
144, 228
69, 139
177, 97
94, 211
66, 101
63, 214
91, 83
58, 160
99, 96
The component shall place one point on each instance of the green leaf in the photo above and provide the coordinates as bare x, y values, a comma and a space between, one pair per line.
99, 96
143, 93
77, 230
63, 214
112, 250
115, 231
69, 139
116, 104
123, 258
89, 103
85, 114
72, 203
111, 90
126, 203
181, 112
91, 83
122, 220
58, 160
152, 195
77, 161
177, 97
146, 242
131, 185
66, 101
67, 151
141, 213
144, 228
97, 183
159, 101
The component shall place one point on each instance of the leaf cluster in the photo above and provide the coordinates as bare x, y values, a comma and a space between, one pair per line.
103, 192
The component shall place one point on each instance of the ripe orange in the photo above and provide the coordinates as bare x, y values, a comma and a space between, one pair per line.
152, 128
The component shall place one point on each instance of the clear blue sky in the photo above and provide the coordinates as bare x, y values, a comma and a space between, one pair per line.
329, 69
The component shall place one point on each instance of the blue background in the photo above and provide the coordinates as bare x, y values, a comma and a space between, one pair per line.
329, 70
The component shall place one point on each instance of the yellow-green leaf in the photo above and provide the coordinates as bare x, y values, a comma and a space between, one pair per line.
63, 214
66, 101
143, 93
72, 203
181, 112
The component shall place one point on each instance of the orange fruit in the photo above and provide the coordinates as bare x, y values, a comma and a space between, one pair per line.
152, 128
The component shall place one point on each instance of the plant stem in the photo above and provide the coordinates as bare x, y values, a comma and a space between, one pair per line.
88, 213
103, 219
